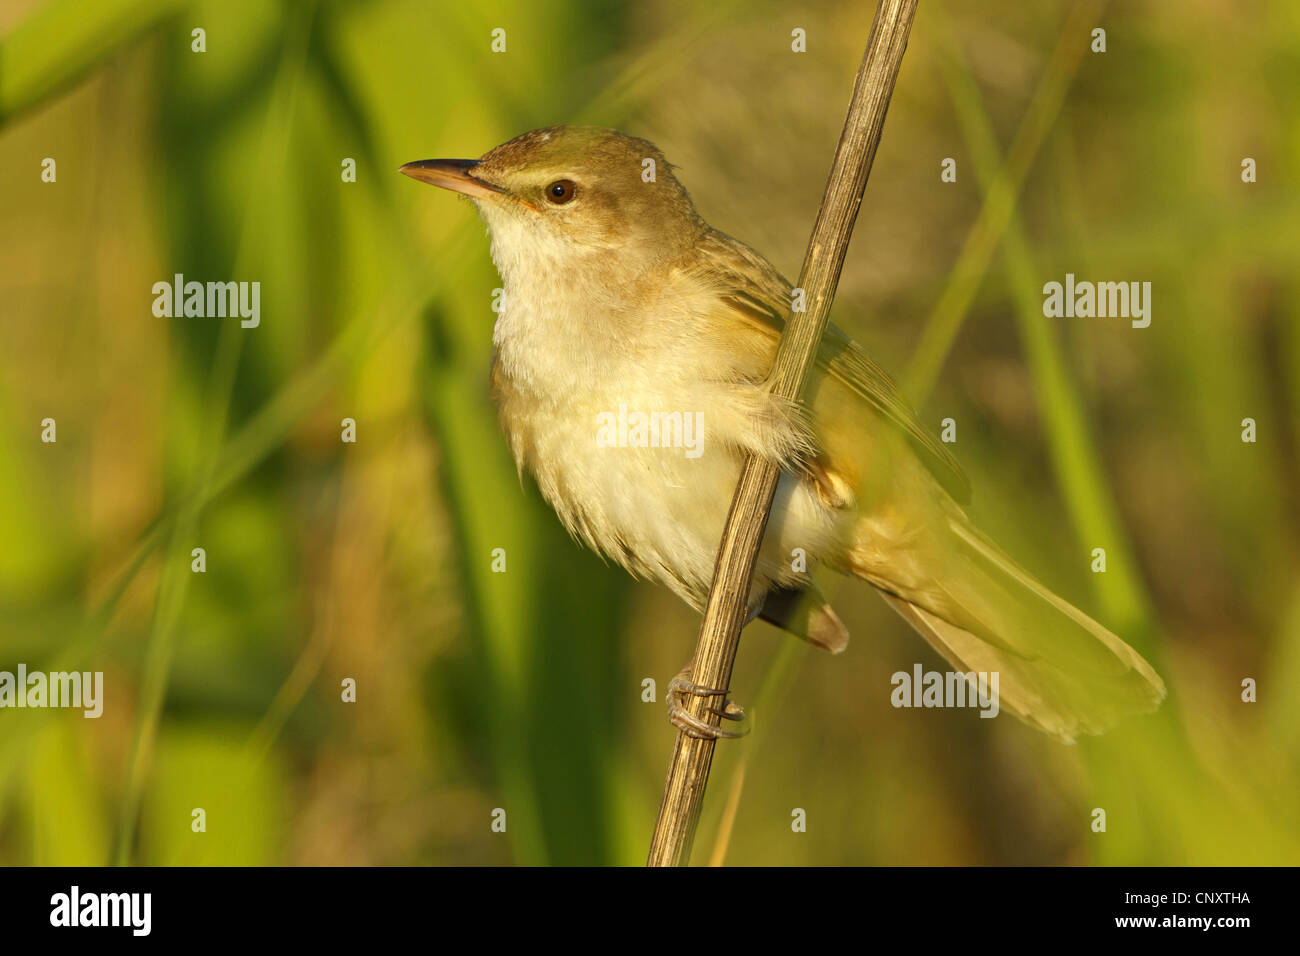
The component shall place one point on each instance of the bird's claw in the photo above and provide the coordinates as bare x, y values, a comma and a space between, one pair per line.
682, 687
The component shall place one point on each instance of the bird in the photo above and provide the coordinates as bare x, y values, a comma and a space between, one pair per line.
627, 322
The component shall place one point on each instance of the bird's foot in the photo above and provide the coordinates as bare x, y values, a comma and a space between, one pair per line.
682, 687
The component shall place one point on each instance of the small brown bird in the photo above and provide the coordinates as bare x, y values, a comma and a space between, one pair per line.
632, 355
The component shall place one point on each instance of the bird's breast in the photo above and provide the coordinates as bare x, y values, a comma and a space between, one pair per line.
630, 428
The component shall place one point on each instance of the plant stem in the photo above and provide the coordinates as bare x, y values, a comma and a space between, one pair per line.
726, 611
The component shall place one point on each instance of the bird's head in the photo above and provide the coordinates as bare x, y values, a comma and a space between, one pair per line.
569, 193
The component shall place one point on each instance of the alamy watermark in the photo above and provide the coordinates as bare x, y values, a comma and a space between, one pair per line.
213, 300
1125, 300
83, 689
951, 689
624, 429
132, 911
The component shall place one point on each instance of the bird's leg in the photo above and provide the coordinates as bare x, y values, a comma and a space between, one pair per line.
682, 687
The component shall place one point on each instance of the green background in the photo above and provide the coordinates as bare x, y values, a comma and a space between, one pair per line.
522, 690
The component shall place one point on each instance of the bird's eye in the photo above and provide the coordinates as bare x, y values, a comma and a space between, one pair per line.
561, 191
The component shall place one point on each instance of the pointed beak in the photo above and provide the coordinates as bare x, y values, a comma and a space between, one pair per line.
454, 174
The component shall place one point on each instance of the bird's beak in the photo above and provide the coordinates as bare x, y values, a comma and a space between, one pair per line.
454, 174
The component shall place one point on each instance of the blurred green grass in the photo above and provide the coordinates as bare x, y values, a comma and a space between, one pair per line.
522, 690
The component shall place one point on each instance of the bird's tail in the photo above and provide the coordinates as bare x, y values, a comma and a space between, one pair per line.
1057, 668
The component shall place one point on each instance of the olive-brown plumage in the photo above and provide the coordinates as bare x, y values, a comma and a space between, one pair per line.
618, 296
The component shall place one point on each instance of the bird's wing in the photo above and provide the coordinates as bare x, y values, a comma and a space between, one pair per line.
756, 294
